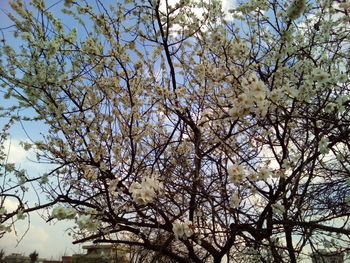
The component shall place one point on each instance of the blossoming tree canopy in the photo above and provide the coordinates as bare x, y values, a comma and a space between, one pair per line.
177, 128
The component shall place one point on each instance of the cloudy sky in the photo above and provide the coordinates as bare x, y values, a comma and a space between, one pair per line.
50, 240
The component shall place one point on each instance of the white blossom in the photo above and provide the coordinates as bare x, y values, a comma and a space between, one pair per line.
235, 199
183, 229
112, 188
145, 192
236, 174
323, 145
296, 8
62, 213
21, 215
88, 222
320, 75
3, 211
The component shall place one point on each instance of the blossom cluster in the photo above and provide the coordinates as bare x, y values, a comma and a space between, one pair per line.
3, 211
235, 199
4, 228
88, 222
85, 221
183, 229
145, 192
319, 75
251, 100
264, 173
21, 215
90, 173
296, 8
323, 145
236, 174
62, 213
112, 188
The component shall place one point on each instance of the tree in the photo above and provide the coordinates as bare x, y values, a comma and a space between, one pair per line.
2, 255
180, 129
33, 256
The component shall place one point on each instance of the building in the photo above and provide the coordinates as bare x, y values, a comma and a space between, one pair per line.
101, 254
327, 257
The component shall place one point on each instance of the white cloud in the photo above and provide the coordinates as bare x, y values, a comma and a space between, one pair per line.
24, 159
16, 154
227, 5
10, 205
49, 240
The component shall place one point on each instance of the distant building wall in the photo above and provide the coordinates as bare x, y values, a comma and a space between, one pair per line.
101, 254
322, 257
16, 258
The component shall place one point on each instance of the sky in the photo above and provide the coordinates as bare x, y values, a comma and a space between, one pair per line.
49, 240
